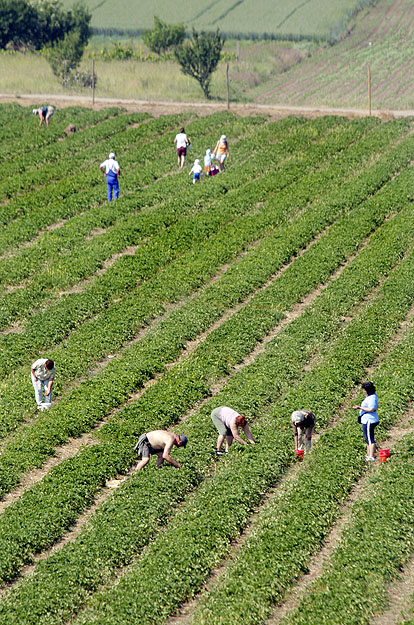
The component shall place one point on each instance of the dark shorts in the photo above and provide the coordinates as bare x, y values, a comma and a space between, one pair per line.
181, 151
369, 432
143, 447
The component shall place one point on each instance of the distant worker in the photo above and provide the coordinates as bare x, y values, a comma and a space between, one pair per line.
159, 443
197, 171
43, 373
207, 162
228, 422
221, 151
182, 142
303, 424
369, 418
45, 113
111, 169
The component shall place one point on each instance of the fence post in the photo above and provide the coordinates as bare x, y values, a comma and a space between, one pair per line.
93, 82
227, 86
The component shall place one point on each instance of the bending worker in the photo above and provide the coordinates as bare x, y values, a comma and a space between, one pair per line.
159, 443
228, 422
303, 424
111, 169
45, 113
43, 373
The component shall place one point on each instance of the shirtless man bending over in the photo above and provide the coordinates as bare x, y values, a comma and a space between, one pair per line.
160, 443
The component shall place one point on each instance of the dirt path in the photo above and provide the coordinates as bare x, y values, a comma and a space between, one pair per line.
203, 108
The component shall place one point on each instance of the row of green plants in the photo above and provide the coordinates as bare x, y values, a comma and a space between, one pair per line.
119, 322
196, 539
84, 224
293, 526
189, 382
198, 535
141, 166
19, 143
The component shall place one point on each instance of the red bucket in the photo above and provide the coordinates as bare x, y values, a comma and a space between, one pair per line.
300, 453
383, 454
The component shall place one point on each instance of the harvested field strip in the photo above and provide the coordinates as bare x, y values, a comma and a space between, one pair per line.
282, 370
213, 516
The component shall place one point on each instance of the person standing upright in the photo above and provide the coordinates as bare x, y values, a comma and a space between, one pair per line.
181, 143
368, 418
111, 169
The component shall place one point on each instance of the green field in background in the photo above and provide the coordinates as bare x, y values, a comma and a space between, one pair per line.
321, 19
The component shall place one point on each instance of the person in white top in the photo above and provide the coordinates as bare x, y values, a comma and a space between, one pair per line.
111, 169
228, 422
45, 113
43, 373
181, 143
196, 170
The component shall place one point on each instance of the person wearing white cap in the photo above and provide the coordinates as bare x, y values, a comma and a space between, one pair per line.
303, 424
45, 113
111, 169
196, 170
207, 162
221, 151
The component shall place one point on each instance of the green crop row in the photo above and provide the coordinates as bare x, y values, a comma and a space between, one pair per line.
196, 538
93, 465
294, 525
132, 311
36, 137
377, 542
18, 267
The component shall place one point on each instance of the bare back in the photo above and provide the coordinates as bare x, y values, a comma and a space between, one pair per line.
159, 439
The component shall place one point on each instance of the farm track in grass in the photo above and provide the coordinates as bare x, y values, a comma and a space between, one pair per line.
301, 292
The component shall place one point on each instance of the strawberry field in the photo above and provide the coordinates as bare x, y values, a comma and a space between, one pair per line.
282, 283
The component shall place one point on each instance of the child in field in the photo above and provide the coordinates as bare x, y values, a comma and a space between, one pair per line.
196, 170
207, 162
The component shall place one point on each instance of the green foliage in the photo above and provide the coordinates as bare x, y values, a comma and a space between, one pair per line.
200, 56
41, 23
163, 36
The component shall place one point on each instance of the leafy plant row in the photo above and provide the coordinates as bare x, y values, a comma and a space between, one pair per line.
176, 392
374, 546
133, 310
30, 258
33, 140
197, 537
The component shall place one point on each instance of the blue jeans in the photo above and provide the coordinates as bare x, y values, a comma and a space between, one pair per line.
40, 386
113, 185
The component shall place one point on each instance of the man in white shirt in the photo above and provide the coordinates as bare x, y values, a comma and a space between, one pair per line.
181, 142
228, 422
111, 169
43, 373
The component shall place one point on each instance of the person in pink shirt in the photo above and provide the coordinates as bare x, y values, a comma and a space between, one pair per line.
228, 422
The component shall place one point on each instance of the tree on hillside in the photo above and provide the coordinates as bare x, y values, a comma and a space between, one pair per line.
163, 36
199, 57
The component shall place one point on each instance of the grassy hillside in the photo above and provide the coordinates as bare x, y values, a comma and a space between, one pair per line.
382, 38
320, 19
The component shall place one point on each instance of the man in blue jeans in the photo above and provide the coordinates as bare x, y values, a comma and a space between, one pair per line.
111, 169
